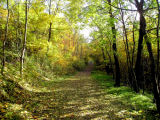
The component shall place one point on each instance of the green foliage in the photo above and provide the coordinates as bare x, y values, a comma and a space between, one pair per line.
79, 65
126, 94
43, 58
67, 51
12, 116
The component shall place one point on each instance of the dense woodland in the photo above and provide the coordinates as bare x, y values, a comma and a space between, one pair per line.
42, 39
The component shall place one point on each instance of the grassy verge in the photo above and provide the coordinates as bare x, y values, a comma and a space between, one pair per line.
141, 104
15, 91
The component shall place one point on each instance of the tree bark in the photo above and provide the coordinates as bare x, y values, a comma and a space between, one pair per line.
153, 75
109, 56
104, 57
24, 41
18, 29
81, 55
138, 66
134, 43
158, 49
50, 25
142, 33
114, 47
5, 39
50, 32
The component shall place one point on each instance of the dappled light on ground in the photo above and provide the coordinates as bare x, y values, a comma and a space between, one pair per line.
78, 97
33, 88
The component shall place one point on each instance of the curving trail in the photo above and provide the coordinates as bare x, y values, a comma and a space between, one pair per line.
77, 98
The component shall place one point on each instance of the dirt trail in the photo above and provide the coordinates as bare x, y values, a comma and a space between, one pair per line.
77, 98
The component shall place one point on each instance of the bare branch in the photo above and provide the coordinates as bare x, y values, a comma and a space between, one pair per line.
121, 8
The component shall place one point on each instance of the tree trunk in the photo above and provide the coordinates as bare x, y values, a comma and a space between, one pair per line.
77, 48
153, 75
24, 41
110, 58
114, 47
104, 57
134, 43
131, 74
142, 33
4, 41
18, 30
158, 49
81, 55
50, 32
50, 27
125, 34
138, 66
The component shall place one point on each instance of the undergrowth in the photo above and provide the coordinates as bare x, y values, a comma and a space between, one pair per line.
38, 74
141, 103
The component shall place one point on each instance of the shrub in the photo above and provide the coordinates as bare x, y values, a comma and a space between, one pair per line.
79, 65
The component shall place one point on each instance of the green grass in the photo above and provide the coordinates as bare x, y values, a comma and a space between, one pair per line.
139, 102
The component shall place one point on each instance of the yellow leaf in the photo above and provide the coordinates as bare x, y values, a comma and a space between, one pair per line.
2, 110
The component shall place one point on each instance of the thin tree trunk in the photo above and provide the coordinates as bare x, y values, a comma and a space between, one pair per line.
50, 32
81, 52
74, 44
104, 57
158, 49
77, 49
4, 41
50, 27
114, 46
25, 39
134, 43
125, 33
110, 59
153, 75
18, 32
131, 76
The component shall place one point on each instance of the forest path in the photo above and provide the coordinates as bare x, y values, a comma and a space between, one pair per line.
77, 98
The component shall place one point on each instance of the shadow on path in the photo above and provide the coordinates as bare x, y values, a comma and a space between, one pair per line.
77, 98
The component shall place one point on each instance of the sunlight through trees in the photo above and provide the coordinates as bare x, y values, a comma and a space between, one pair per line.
51, 39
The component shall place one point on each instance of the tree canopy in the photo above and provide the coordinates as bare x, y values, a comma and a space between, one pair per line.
47, 39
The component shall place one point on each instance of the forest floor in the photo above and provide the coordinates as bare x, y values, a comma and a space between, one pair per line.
78, 97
